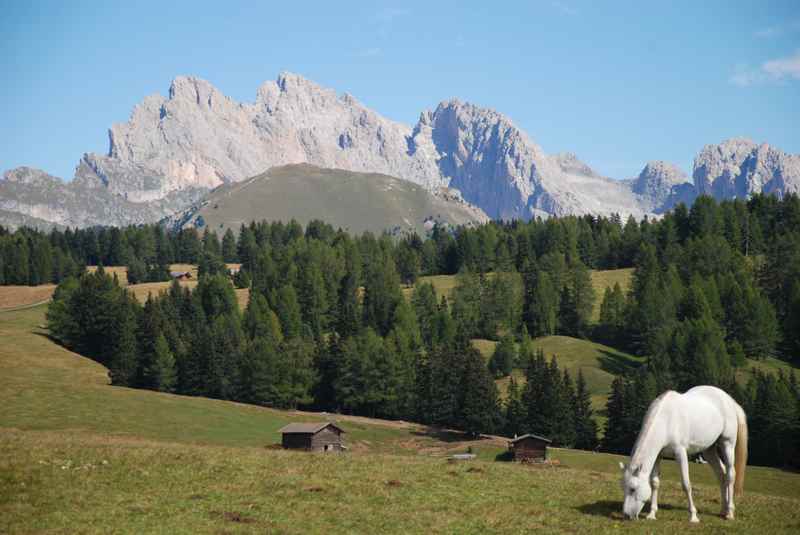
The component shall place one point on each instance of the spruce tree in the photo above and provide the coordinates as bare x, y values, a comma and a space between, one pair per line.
515, 415
479, 411
585, 426
229, 247
288, 310
163, 374
505, 355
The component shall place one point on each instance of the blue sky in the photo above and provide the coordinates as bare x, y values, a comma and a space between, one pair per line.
617, 83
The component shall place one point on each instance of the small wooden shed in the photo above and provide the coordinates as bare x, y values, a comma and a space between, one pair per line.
529, 448
181, 275
325, 436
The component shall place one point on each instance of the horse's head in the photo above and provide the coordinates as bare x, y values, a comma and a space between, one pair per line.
636, 489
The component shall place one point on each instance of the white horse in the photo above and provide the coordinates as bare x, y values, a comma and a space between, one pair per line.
703, 420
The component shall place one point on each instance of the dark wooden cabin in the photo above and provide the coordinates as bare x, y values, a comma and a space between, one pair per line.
324, 436
528, 448
181, 275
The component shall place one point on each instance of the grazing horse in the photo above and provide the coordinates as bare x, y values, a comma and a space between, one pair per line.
702, 420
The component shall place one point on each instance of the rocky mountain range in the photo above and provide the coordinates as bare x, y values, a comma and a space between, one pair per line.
174, 149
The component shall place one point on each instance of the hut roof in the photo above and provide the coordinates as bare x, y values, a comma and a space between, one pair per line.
305, 429
531, 435
174, 274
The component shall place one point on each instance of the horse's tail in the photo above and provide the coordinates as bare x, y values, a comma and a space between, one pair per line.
740, 452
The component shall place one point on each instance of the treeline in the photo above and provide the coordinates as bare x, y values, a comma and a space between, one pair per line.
328, 325
744, 254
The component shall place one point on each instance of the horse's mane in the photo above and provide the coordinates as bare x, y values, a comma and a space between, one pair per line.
649, 419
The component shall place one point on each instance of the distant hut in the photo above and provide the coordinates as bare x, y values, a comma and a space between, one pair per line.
324, 436
180, 275
529, 448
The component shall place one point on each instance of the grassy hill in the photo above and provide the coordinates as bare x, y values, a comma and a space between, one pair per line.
79, 455
353, 201
599, 363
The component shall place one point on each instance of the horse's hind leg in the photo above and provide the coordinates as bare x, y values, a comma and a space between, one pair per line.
683, 462
715, 463
727, 454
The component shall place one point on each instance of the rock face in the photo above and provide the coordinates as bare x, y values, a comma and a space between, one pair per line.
662, 185
740, 167
32, 197
174, 149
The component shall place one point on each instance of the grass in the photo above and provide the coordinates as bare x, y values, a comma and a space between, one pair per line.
442, 284
353, 201
598, 362
17, 296
602, 279
77, 455
57, 482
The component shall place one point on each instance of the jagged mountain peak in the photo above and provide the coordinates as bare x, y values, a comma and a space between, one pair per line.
197, 138
739, 167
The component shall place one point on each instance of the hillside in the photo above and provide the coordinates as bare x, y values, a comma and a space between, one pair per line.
353, 201
77, 452
598, 362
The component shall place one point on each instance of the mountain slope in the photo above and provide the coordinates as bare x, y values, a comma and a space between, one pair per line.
353, 201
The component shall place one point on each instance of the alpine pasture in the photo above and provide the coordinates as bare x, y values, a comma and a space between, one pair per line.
81, 455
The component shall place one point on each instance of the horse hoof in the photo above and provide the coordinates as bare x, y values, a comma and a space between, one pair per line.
694, 520
651, 516
728, 516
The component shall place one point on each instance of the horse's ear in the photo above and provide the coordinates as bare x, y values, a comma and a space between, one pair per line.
621, 466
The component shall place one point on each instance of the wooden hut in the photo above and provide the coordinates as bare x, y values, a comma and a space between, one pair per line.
529, 448
324, 436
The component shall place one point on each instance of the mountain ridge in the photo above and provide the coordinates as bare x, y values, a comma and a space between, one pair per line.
173, 150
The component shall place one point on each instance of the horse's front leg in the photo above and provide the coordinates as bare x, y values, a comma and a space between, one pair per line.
683, 461
655, 482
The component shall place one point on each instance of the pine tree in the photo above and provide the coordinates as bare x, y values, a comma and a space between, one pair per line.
585, 426
515, 415
503, 358
163, 373
615, 432
381, 294
122, 363
288, 310
479, 411
261, 322
229, 247
543, 306
426, 308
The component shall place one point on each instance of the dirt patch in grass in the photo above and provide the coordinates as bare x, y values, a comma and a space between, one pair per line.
233, 516
393, 483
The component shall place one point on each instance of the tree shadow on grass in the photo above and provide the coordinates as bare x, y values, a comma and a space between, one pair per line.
616, 363
444, 435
